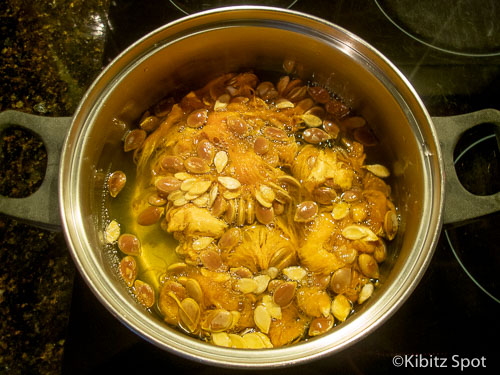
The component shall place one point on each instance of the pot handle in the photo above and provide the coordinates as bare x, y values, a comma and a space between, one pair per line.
41, 208
461, 205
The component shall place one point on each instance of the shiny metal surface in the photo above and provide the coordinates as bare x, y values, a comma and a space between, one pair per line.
191, 51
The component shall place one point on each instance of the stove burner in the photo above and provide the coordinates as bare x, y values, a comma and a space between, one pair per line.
462, 27
475, 245
193, 6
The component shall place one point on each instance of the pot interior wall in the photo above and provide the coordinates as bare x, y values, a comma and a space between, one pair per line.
189, 59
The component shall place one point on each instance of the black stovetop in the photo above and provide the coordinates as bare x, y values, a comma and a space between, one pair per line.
453, 313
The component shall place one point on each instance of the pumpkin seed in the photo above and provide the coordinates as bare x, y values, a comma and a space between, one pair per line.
341, 280
331, 128
128, 270
231, 194
241, 216
168, 184
172, 164
359, 232
289, 180
219, 207
365, 293
267, 193
262, 282
284, 103
262, 318
222, 102
189, 313
175, 195
202, 243
197, 118
250, 211
177, 267
284, 293
264, 88
275, 134
201, 201
116, 182
319, 94
150, 123
289, 65
211, 259
303, 106
306, 212
246, 285
282, 84
378, 170
150, 215
391, 224
230, 239
134, 139
341, 307
272, 272
316, 111
297, 93
321, 325
194, 290
253, 341
295, 273
265, 339
180, 202
187, 185
198, 187
315, 135
368, 265
311, 120
380, 252
221, 339
263, 214
241, 272
145, 293
353, 122
229, 182
230, 213
112, 232
262, 201
340, 210
196, 165
324, 195
237, 341
182, 175
219, 320
129, 244
261, 146
273, 308
220, 161
156, 200
212, 195
205, 150
237, 125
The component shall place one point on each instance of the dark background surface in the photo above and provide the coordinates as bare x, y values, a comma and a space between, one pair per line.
52, 50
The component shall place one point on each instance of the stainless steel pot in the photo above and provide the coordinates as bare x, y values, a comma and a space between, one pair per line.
187, 53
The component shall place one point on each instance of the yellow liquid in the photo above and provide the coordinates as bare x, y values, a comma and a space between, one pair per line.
157, 246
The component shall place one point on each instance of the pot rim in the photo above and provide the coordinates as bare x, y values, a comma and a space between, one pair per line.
179, 343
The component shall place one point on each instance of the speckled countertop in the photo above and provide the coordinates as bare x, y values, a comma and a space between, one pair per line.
50, 52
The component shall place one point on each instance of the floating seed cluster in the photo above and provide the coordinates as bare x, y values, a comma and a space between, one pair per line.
280, 224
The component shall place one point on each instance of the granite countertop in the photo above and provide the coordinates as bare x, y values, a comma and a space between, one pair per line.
51, 51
